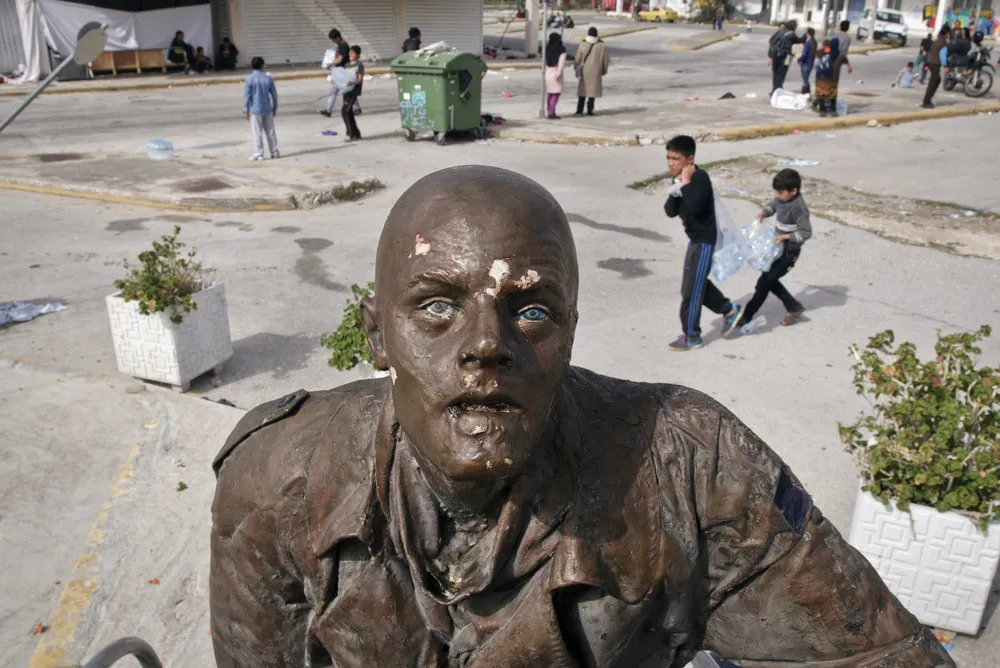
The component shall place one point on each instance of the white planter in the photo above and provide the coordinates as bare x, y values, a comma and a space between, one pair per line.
939, 565
153, 348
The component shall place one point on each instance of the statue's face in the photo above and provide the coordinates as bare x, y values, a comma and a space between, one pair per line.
476, 303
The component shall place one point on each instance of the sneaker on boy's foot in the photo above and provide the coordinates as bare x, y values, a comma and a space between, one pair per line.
275, 155
684, 343
791, 317
324, 112
727, 324
255, 157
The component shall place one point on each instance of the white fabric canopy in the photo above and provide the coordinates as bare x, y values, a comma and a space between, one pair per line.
127, 30
36, 59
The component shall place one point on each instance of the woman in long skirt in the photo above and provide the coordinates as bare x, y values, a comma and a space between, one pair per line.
825, 96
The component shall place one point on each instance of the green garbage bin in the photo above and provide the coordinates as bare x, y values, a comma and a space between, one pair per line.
440, 92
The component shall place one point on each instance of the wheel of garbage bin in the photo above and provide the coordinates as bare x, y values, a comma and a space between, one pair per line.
410, 134
119, 649
441, 138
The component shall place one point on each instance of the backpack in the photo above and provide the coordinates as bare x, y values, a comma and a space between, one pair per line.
774, 45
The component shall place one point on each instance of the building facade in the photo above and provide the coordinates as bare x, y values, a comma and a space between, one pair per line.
918, 13
295, 31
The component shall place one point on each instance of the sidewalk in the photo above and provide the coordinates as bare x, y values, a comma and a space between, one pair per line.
183, 183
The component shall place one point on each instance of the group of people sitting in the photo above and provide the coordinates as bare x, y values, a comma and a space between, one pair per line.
193, 59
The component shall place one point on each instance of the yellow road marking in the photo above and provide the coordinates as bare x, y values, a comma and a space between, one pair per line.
51, 649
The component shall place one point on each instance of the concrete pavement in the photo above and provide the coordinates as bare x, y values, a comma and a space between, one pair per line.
287, 274
100, 542
199, 184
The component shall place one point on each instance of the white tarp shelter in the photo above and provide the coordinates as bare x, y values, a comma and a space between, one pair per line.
29, 27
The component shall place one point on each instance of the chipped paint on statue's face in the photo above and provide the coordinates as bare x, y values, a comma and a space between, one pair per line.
479, 331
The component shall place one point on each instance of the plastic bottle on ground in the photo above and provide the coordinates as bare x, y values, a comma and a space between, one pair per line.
159, 149
753, 325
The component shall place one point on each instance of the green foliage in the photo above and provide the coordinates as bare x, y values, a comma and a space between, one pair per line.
165, 279
932, 436
347, 344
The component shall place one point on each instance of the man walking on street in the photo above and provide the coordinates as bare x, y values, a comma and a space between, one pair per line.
720, 15
936, 59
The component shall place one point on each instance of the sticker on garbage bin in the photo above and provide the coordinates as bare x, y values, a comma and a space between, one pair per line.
417, 87
420, 97
406, 96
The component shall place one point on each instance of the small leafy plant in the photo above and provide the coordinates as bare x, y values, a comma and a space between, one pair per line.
165, 279
347, 344
932, 436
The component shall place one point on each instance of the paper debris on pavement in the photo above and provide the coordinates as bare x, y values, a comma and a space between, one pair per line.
25, 311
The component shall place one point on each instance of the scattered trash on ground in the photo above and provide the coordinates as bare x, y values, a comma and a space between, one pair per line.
861, 81
368, 77
796, 131
224, 402
154, 581
944, 639
492, 73
508, 95
736, 191
24, 311
181, 486
387, 76
750, 95
970, 213
831, 136
728, 96
798, 163
485, 142
489, 119
330, 133
691, 99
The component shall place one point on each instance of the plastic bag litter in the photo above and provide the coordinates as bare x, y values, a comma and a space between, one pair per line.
798, 163
729, 255
760, 249
23, 312
783, 99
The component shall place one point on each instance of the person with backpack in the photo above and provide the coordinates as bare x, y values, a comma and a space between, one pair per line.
780, 53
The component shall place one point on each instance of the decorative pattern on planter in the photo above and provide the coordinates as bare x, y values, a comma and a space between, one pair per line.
939, 565
152, 347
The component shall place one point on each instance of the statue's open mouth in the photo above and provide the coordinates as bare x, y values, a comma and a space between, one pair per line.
492, 404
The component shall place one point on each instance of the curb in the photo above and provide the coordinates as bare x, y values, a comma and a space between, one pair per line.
211, 206
751, 132
619, 33
758, 131
683, 47
188, 82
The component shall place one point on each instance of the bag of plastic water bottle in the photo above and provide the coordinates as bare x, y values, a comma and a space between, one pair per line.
729, 255
761, 251
753, 325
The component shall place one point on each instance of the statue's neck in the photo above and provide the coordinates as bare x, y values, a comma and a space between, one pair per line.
463, 501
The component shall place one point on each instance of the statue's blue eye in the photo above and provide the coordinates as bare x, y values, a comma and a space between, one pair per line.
533, 314
441, 309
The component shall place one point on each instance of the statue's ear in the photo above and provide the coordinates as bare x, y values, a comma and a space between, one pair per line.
369, 321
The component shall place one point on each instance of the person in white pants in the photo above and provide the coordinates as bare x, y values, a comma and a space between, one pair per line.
260, 106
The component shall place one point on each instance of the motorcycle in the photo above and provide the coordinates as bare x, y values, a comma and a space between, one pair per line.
974, 73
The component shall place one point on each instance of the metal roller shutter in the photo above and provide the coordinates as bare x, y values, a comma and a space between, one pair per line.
294, 31
11, 46
457, 22
221, 23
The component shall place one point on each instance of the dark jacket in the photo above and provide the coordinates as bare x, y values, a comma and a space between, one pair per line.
934, 57
660, 525
411, 44
696, 207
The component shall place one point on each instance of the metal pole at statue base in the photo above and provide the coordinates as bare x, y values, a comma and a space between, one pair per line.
90, 42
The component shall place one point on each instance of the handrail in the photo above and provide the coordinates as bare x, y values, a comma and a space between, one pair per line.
123, 647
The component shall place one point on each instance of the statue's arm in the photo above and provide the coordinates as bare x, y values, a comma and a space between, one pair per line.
259, 611
784, 586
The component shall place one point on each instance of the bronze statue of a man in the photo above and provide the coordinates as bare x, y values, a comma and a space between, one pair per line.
489, 505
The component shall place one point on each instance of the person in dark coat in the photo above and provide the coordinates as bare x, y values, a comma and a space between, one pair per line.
227, 55
412, 42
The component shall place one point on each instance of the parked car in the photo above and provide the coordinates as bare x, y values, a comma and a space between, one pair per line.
882, 24
658, 15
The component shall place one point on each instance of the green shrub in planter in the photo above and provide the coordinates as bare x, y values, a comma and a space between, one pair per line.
165, 279
347, 343
932, 436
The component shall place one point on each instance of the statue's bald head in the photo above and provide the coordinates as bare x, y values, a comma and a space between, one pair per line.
470, 210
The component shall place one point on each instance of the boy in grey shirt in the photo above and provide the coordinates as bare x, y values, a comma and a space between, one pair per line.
792, 230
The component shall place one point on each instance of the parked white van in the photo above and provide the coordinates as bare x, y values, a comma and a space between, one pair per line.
881, 24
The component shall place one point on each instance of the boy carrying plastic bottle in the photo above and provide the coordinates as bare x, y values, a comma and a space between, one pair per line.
792, 230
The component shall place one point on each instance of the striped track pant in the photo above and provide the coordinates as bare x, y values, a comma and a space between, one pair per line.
696, 289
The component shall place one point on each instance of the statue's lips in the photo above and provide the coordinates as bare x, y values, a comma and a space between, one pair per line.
493, 404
